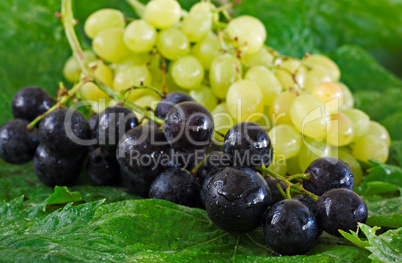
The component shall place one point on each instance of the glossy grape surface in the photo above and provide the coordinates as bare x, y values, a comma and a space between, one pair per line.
340, 209
236, 199
290, 228
327, 173
102, 167
167, 103
17, 144
248, 144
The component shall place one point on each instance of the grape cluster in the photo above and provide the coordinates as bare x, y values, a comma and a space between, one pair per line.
231, 121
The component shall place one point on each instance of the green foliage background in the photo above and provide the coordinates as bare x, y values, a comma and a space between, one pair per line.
363, 37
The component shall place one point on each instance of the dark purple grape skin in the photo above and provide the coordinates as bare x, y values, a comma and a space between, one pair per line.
248, 144
17, 143
143, 153
189, 126
340, 208
328, 173
30, 102
307, 201
290, 228
93, 124
53, 171
135, 185
178, 186
204, 183
55, 138
113, 123
236, 199
276, 195
102, 167
166, 104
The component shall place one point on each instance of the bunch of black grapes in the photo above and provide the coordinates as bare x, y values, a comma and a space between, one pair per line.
143, 157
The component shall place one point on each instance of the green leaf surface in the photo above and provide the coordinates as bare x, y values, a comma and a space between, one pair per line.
395, 153
140, 231
62, 196
393, 123
385, 247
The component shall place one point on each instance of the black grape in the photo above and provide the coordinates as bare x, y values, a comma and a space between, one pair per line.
113, 122
143, 153
290, 228
327, 173
135, 184
102, 167
53, 171
340, 208
30, 102
178, 186
58, 129
166, 104
17, 143
248, 144
189, 126
236, 199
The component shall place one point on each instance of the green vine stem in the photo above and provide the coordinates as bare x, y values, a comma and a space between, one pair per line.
61, 101
160, 93
302, 176
68, 24
139, 8
287, 182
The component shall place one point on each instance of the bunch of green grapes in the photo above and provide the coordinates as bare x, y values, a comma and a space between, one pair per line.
226, 67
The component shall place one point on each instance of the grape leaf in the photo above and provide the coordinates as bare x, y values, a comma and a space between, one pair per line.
62, 196
385, 247
299, 26
384, 212
139, 230
393, 123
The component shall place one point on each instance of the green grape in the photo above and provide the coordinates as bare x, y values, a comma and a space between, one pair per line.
187, 72
204, 96
340, 130
323, 61
249, 33
132, 76
103, 19
353, 164
223, 121
267, 82
330, 94
380, 132
348, 100
203, 6
139, 36
72, 70
292, 166
136, 59
109, 45
89, 91
172, 43
207, 50
196, 25
278, 165
314, 77
279, 110
102, 72
147, 100
285, 140
101, 105
312, 150
162, 14
370, 147
361, 122
287, 70
264, 121
244, 100
308, 116
223, 73
260, 58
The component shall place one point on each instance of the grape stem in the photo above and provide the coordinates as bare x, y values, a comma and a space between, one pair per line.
287, 182
144, 87
278, 184
139, 8
68, 24
303, 176
60, 101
